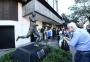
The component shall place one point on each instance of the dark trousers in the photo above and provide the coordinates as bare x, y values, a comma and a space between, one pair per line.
82, 56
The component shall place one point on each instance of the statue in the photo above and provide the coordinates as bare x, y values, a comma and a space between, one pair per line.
32, 30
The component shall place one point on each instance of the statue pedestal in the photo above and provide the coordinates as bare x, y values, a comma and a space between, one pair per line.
30, 53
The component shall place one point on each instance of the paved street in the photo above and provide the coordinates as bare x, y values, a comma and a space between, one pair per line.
53, 42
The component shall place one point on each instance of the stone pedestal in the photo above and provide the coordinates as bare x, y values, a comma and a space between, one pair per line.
30, 53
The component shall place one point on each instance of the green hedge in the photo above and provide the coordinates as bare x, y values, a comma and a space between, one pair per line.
7, 57
54, 55
57, 55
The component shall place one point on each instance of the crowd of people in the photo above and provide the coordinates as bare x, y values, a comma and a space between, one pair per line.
73, 38
58, 34
48, 33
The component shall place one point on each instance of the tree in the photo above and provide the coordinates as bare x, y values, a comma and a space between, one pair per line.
81, 8
65, 18
81, 1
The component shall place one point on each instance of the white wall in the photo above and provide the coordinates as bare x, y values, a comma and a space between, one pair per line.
21, 28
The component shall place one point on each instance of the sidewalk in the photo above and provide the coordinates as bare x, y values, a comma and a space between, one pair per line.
53, 42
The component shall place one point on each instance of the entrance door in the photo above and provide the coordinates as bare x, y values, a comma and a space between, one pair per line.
7, 37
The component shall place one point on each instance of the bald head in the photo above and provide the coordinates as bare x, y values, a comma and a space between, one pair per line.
72, 26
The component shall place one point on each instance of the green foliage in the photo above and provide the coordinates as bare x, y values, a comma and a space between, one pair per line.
57, 55
64, 17
7, 57
81, 8
80, 1
54, 55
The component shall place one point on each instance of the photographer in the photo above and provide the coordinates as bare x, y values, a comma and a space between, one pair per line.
80, 41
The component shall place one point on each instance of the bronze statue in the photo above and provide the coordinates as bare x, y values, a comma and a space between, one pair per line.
32, 29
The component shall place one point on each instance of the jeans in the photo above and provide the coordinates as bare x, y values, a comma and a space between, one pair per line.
82, 56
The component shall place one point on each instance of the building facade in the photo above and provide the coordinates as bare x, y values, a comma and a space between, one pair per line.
14, 20
53, 4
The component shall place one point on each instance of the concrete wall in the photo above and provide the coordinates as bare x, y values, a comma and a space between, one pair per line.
41, 9
46, 12
28, 8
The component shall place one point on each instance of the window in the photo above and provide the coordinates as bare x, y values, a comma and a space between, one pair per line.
8, 10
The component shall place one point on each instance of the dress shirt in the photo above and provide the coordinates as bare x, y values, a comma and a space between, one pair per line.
80, 40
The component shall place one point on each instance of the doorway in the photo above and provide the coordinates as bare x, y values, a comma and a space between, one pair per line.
7, 38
